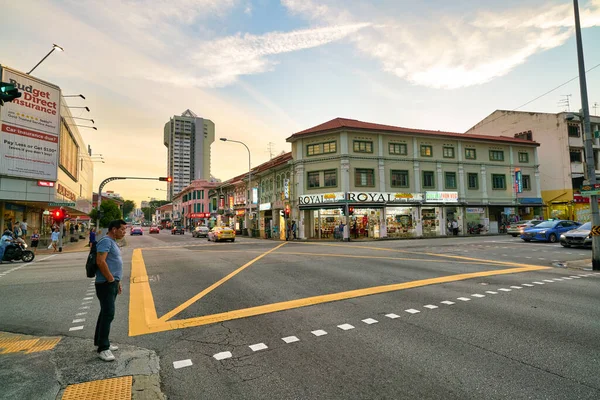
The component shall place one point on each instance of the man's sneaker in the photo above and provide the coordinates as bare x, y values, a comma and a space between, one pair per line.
106, 355
113, 348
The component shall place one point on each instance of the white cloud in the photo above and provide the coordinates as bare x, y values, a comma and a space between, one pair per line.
452, 51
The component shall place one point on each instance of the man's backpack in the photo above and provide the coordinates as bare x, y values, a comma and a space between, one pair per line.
90, 266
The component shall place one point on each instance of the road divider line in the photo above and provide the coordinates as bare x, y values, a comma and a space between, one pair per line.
215, 285
142, 311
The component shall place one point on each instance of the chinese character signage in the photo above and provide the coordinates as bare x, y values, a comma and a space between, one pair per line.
518, 181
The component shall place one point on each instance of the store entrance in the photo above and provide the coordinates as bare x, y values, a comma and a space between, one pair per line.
326, 223
431, 222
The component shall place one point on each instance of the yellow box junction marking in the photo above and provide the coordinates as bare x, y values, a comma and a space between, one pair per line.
142, 312
113, 389
12, 343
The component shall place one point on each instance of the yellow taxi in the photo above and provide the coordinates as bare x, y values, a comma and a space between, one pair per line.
219, 233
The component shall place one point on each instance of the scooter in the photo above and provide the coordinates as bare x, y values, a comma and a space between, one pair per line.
18, 251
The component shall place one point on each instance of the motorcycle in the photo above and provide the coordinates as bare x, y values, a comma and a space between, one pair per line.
18, 251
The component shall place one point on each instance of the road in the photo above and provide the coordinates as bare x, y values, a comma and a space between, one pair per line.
482, 317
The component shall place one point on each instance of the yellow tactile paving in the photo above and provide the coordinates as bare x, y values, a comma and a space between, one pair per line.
109, 389
12, 343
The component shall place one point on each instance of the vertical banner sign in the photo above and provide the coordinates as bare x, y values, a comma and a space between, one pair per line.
254, 195
286, 189
231, 202
518, 181
221, 202
30, 127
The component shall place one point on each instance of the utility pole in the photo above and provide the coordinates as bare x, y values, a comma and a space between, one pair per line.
587, 131
270, 150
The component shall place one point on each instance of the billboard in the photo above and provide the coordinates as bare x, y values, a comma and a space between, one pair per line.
30, 128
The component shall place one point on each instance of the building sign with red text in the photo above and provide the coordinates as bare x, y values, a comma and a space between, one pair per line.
30, 128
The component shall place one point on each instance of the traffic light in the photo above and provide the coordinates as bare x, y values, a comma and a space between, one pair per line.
58, 215
287, 211
8, 92
351, 210
165, 179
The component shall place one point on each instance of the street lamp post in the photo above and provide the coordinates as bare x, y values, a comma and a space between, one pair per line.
587, 131
54, 47
249, 197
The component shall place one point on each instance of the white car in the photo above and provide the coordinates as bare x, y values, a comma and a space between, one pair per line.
200, 231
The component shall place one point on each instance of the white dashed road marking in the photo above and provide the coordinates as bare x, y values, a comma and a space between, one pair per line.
76, 321
76, 328
392, 316
491, 292
182, 363
539, 283
223, 355
412, 311
516, 287
319, 332
258, 346
345, 327
448, 302
478, 295
505, 290
463, 299
548, 280
431, 306
527, 284
369, 321
290, 339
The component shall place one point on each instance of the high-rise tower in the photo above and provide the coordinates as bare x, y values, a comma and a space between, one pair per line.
188, 139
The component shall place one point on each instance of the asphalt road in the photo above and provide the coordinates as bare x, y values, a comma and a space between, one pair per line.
436, 318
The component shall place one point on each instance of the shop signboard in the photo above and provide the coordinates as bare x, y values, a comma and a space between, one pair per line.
509, 211
200, 215
383, 197
475, 210
264, 206
286, 189
441, 197
322, 198
518, 181
30, 128
590, 190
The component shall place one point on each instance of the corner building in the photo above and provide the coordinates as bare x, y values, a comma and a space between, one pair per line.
388, 181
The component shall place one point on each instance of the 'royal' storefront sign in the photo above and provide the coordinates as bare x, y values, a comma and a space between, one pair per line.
360, 197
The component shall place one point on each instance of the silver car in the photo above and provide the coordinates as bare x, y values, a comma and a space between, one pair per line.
516, 229
577, 237
200, 231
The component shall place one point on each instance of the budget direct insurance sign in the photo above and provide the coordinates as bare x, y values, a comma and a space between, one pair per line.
30, 126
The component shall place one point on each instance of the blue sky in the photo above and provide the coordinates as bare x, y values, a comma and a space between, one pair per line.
264, 69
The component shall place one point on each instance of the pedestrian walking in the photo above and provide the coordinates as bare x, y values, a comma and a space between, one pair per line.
17, 229
108, 285
294, 229
454, 227
35, 239
54, 238
71, 229
24, 227
92, 237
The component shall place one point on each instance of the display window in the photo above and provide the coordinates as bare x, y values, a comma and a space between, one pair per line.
476, 220
400, 222
365, 223
431, 221
327, 221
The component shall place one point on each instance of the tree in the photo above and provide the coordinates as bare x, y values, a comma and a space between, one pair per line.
128, 207
147, 213
109, 211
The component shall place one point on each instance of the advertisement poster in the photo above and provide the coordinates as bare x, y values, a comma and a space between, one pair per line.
30, 128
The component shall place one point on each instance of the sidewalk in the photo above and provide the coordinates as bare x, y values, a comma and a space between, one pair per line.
59, 367
68, 247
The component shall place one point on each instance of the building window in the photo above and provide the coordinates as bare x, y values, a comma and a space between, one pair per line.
473, 181
398, 149
470, 154
329, 147
450, 180
364, 177
399, 178
573, 130
363, 147
330, 178
523, 157
496, 155
426, 151
313, 149
313, 180
526, 179
498, 182
428, 179
448, 152
575, 155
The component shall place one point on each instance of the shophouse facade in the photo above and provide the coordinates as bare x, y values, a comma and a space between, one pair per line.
561, 155
386, 181
191, 206
165, 215
44, 162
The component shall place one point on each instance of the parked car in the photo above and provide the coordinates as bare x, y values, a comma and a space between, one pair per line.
577, 237
154, 229
177, 230
219, 233
200, 231
515, 229
548, 231
136, 230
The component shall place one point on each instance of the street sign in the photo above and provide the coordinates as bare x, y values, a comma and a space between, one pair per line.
590, 190
595, 231
61, 204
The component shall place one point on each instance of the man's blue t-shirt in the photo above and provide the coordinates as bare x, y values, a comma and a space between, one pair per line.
113, 259
55, 236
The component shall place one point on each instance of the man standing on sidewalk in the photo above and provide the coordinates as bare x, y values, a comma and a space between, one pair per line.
108, 285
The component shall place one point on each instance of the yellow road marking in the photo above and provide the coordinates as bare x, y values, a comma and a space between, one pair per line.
421, 253
215, 285
142, 311
113, 388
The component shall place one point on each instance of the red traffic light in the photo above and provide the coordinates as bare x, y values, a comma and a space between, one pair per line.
165, 179
58, 215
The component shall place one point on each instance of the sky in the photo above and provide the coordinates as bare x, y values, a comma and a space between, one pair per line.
262, 70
